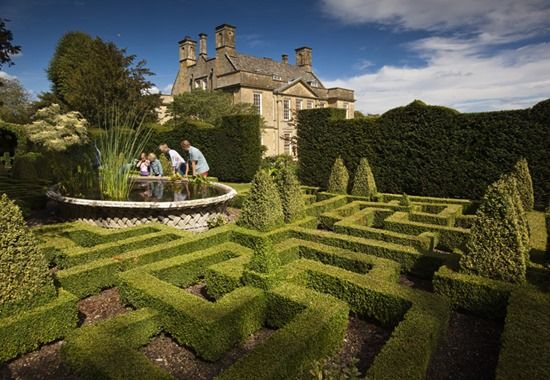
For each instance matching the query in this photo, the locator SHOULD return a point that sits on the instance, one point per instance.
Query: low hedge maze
(346, 256)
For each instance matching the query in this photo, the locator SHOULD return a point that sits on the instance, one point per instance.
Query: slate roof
(267, 66)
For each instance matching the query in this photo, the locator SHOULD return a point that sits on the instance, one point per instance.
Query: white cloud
(167, 89)
(459, 78)
(493, 17)
(5, 75)
(468, 67)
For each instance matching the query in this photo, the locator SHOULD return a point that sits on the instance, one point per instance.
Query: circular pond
(181, 204)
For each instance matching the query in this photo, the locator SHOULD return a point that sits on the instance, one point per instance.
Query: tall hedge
(496, 249)
(429, 150)
(25, 280)
(233, 150)
(262, 210)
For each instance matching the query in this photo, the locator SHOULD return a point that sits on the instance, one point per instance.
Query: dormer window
(313, 83)
(277, 77)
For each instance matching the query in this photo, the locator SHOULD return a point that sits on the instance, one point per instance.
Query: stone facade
(277, 89)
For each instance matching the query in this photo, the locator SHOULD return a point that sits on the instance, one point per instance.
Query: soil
(364, 339)
(199, 290)
(470, 352)
(233, 214)
(100, 307)
(42, 217)
(416, 283)
(183, 364)
(42, 364)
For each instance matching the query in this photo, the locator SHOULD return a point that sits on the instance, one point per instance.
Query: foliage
(405, 201)
(199, 180)
(55, 131)
(264, 258)
(339, 178)
(207, 106)
(429, 150)
(232, 149)
(496, 248)
(262, 209)
(364, 184)
(15, 102)
(218, 221)
(328, 369)
(7, 48)
(275, 163)
(525, 184)
(25, 280)
(120, 145)
(92, 76)
(166, 164)
(291, 195)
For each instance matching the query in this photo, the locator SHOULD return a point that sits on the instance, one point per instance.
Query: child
(155, 168)
(143, 165)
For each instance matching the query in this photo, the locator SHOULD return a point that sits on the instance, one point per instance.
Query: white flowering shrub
(55, 131)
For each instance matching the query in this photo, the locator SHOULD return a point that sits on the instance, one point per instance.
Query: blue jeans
(181, 169)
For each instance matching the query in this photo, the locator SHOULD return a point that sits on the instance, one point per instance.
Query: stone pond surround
(192, 215)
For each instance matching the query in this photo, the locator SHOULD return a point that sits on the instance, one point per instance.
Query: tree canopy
(208, 106)
(93, 76)
(7, 48)
(15, 102)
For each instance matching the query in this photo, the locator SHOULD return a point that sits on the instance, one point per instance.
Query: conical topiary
(511, 185)
(25, 280)
(339, 178)
(524, 184)
(264, 259)
(495, 247)
(291, 194)
(262, 209)
(364, 184)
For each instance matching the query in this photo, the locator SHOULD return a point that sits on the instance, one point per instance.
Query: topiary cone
(364, 184)
(339, 178)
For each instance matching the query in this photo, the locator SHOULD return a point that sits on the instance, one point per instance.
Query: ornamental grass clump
(364, 184)
(120, 144)
(25, 280)
(339, 178)
(291, 195)
(524, 184)
(262, 210)
(495, 248)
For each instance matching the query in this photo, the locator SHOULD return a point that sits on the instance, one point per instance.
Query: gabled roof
(285, 87)
(266, 66)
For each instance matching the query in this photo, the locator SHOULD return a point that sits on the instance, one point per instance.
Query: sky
(471, 55)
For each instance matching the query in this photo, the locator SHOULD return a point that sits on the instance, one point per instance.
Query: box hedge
(420, 149)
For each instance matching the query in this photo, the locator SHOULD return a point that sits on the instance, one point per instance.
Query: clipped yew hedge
(233, 149)
(428, 150)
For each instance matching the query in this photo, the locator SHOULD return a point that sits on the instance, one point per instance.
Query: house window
(277, 77)
(286, 109)
(288, 143)
(203, 84)
(258, 102)
(197, 84)
(322, 105)
(298, 104)
(313, 83)
(346, 107)
(309, 104)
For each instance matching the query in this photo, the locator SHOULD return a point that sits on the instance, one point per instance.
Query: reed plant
(124, 138)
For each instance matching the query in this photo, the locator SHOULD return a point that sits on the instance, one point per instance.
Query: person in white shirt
(178, 163)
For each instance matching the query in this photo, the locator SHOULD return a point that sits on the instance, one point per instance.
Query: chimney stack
(202, 45)
(303, 58)
(284, 58)
(225, 38)
(187, 51)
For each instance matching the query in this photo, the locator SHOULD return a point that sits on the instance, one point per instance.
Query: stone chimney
(303, 58)
(284, 58)
(225, 39)
(202, 45)
(187, 52)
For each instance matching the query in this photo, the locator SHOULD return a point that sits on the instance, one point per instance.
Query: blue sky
(473, 55)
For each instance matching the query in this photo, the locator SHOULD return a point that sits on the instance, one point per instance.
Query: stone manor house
(276, 88)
